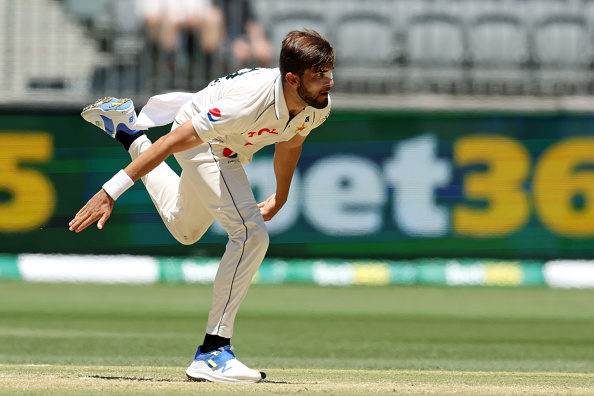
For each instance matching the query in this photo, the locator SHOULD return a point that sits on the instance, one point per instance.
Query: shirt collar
(280, 104)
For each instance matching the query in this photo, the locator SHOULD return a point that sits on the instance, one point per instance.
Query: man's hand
(97, 209)
(270, 207)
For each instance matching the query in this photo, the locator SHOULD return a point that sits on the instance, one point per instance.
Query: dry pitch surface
(67, 380)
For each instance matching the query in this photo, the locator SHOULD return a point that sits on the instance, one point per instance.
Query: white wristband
(118, 184)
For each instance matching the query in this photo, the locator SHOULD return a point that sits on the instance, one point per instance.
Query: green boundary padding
(347, 273)
(170, 270)
(533, 274)
(9, 268)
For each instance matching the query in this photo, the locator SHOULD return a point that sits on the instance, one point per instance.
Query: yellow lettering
(500, 186)
(32, 196)
(557, 181)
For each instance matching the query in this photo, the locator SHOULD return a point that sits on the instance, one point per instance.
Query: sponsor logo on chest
(262, 135)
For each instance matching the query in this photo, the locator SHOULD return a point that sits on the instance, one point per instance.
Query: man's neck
(295, 104)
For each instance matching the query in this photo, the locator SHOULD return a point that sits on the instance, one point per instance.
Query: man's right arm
(181, 138)
(99, 207)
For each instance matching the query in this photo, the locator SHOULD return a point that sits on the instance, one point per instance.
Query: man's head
(306, 59)
(302, 50)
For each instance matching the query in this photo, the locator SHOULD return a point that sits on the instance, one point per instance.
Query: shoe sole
(196, 379)
(95, 108)
(100, 102)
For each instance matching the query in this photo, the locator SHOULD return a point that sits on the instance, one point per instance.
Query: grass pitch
(73, 339)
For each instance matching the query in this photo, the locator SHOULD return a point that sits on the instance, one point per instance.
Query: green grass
(492, 338)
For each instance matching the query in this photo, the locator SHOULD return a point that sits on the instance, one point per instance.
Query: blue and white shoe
(221, 365)
(112, 115)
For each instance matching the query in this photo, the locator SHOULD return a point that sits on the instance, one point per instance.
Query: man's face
(314, 87)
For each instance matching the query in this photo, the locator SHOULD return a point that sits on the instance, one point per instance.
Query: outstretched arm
(181, 138)
(286, 156)
(99, 207)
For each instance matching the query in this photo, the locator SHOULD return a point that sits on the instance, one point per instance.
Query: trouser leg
(178, 204)
(224, 189)
(211, 187)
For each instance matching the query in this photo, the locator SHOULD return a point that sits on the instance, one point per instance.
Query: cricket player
(214, 132)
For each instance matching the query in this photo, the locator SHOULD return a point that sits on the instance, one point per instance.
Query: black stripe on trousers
(246, 236)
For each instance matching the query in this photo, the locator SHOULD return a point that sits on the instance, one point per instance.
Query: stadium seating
(563, 49)
(46, 52)
(283, 23)
(383, 46)
(499, 54)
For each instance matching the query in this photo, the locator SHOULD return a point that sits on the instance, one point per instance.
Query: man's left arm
(286, 156)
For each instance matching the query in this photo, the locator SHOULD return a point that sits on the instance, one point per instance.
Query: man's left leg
(225, 191)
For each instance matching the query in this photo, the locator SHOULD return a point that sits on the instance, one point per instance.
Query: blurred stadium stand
(76, 50)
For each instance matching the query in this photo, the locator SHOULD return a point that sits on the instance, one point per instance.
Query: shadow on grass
(136, 379)
(145, 379)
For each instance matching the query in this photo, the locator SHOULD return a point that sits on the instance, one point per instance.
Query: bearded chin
(310, 99)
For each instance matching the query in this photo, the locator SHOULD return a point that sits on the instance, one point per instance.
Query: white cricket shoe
(221, 365)
(112, 115)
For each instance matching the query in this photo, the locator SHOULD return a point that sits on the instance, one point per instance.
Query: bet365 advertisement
(369, 185)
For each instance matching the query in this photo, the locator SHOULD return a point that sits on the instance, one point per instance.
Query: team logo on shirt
(214, 114)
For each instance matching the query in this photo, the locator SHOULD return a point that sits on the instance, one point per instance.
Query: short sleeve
(225, 117)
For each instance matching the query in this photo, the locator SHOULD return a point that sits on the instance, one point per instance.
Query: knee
(258, 234)
(188, 238)
(252, 233)
(185, 239)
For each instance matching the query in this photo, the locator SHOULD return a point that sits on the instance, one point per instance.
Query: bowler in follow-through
(214, 132)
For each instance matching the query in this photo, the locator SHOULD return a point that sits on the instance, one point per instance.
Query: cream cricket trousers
(211, 187)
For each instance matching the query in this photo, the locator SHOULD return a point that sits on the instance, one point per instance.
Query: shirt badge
(301, 128)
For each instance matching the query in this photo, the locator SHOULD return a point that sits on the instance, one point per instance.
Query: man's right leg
(187, 218)
(184, 215)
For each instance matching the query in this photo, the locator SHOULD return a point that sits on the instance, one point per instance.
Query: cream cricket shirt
(246, 111)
